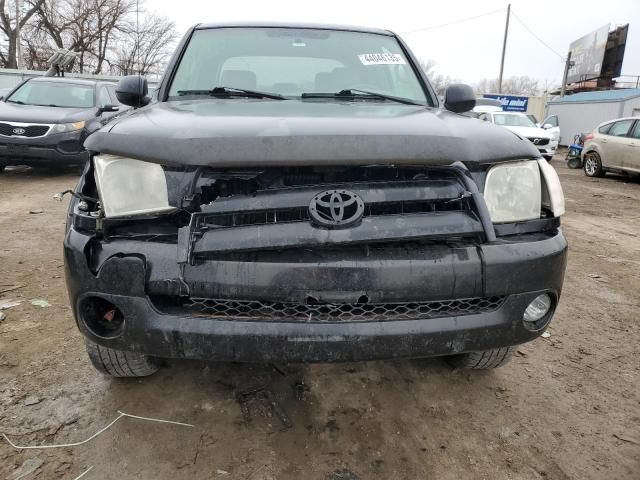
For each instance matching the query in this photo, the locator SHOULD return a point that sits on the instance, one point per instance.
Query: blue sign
(511, 103)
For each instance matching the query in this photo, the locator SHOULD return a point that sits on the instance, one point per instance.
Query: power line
(432, 27)
(562, 57)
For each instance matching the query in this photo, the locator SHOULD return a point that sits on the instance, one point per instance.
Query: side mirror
(459, 98)
(547, 126)
(132, 90)
(108, 108)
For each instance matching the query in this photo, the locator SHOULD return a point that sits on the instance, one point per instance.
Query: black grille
(301, 214)
(254, 310)
(9, 130)
(538, 142)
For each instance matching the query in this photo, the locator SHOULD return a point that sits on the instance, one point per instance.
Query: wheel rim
(590, 165)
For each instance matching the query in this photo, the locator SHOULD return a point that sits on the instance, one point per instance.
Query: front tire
(593, 165)
(493, 358)
(118, 363)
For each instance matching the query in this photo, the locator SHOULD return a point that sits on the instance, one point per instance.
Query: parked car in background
(552, 125)
(298, 193)
(523, 126)
(45, 121)
(613, 147)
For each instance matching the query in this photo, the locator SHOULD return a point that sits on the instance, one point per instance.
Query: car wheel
(2, 167)
(494, 358)
(118, 363)
(593, 165)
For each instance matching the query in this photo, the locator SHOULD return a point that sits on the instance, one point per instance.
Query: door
(614, 144)
(554, 129)
(631, 159)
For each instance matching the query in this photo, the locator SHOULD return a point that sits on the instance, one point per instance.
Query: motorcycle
(574, 155)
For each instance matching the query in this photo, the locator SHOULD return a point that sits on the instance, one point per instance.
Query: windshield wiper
(19, 102)
(232, 92)
(357, 93)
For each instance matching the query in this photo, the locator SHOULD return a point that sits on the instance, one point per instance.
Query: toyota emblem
(19, 131)
(336, 208)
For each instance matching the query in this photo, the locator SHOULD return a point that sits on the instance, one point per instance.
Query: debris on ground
(262, 396)
(75, 444)
(36, 211)
(39, 302)
(9, 304)
(627, 439)
(2, 316)
(84, 473)
(221, 472)
(11, 288)
(31, 400)
(27, 468)
(545, 335)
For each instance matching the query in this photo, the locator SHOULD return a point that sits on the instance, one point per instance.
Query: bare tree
(438, 81)
(9, 26)
(145, 50)
(516, 85)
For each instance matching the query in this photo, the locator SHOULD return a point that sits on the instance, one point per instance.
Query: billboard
(587, 54)
(511, 103)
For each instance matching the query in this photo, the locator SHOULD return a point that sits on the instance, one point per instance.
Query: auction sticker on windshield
(382, 59)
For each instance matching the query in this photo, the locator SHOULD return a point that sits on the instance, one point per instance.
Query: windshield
(512, 120)
(57, 94)
(291, 62)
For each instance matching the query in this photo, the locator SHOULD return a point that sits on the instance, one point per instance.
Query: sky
(468, 50)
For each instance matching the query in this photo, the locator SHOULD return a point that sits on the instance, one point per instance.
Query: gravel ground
(567, 407)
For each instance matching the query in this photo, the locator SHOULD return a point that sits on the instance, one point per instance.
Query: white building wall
(578, 118)
(631, 108)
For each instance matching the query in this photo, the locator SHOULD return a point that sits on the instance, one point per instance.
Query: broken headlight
(129, 187)
(513, 191)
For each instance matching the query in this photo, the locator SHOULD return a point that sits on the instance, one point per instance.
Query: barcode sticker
(381, 59)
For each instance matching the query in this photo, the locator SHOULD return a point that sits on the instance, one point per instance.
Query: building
(582, 112)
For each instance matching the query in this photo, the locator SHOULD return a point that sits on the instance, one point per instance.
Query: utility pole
(567, 66)
(504, 48)
(18, 46)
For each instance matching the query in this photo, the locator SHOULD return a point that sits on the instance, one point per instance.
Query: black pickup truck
(296, 192)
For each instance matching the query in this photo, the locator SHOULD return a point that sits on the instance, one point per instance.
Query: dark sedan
(44, 121)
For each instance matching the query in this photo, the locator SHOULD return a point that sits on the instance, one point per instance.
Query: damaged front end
(308, 263)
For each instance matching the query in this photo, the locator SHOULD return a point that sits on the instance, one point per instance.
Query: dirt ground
(567, 407)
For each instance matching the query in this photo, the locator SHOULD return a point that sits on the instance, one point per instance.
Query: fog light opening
(538, 309)
(101, 317)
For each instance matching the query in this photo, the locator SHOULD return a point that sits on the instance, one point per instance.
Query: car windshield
(512, 120)
(56, 94)
(291, 61)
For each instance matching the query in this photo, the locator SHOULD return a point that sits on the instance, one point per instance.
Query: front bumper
(126, 271)
(49, 150)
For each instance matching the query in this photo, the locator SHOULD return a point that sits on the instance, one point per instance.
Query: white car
(523, 126)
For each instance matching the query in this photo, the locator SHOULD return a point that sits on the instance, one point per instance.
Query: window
(621, 128)
(103, 97)
(636, 130)
(512, 120)
(604, 129)
(112, 93)
(292, 61)
(55, 94)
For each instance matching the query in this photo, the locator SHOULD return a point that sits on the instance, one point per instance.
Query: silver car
(613, 147)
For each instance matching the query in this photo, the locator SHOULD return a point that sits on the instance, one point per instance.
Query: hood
(234, 133)
(14, 112)
(531, 132)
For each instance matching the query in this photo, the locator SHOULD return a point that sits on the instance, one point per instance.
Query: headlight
(68, 127)
(552, 194)
(513, 192)
(129, 187)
